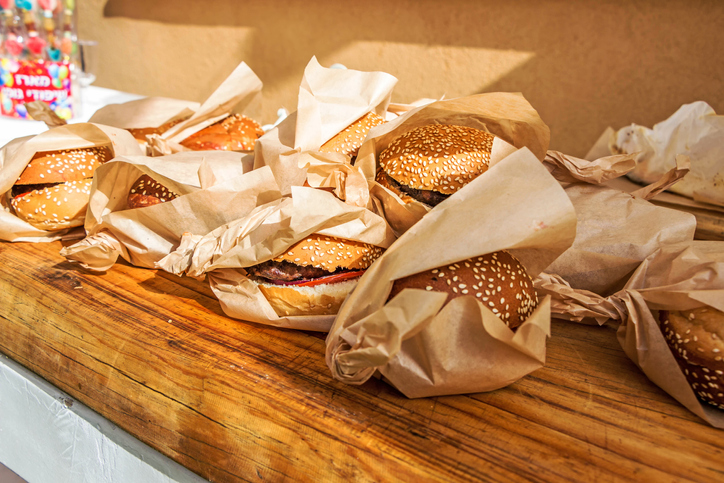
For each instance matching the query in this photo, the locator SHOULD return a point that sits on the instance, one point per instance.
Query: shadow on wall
(583, 65)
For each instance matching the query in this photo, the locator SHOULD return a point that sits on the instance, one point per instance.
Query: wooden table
(235, 401)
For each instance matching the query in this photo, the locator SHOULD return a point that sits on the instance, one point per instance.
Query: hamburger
(52, 192)
(351, 138)
(313, 276)
(696, 339)
(146, 191)
(430, 163)
(234, 133)
(497, 280)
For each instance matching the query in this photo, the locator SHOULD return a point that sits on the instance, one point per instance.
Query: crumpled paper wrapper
(425, 348)
(264, 234)
(695, 131)
(507, 116)
(329, 101)
(681, 276)
(616, 230)
(213, 187)
(240, 93)
(16, 155)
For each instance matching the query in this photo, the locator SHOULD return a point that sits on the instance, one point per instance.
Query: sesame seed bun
(351, 138)
(55, 207)
(52, 192)
(437, 158)
(64, 165)
(313, 260)
(497, 280)
(234, 133)
(330, 253)
(146, 191)
(696, 339)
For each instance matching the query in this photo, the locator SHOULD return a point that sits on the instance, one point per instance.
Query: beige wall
(584, 65)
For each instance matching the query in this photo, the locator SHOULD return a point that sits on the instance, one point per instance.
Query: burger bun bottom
(324, 299)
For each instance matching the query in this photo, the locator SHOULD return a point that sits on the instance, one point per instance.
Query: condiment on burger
(234, 133)
(52, 192)
(313, 276)
(497, 280)
(351, 138)
(430, 163)
(146, 191)
(696, 339)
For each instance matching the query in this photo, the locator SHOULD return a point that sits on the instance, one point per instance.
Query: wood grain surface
(235, 401)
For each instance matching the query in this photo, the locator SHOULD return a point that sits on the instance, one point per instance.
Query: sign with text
(24, 81)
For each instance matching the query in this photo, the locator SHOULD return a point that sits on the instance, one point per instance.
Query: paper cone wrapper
(213, 187)
(329, 101)
(239, 93)
(16, 155)
(509, 117)
(265, 233)
(426, 348)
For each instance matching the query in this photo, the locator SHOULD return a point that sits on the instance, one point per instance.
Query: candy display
(38, 50)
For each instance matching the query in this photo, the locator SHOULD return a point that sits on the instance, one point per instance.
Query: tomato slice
(337, 277)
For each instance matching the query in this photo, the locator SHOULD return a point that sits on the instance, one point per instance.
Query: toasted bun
(696, 338)
(146, 191)
(324, 299)
(497, 280)
(330, 253)
(141, 133)
(349, 141)
(54, 207)
(438, 158)
(65, 165)
(235, 133)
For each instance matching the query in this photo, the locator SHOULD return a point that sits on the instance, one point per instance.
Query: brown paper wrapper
(681, 276)
(264, 234)
(616, 230)
(569, 169)
(214, 188)
(425, 349)
(332, 99)
(329, 101)
(149, 112)
(239, 93)
(508, 116)
(16, 155)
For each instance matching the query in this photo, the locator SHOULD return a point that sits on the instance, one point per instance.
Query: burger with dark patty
(313, 276)
(52, 192)
(430, 163)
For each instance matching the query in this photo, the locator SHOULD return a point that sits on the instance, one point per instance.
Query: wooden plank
(236, 401)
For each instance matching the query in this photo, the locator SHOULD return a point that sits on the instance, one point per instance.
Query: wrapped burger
(448, 309)
(46, 179)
